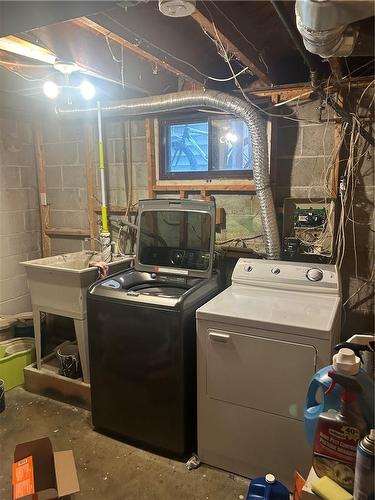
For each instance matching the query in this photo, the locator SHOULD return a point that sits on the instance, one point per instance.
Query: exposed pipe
(223, 102)
(105, 237)
(310, 61)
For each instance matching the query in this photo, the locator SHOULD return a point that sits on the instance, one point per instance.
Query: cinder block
(235, 204)
(140, 176)
(29, 241)
(76, 219)
(53, 177)
(63, 153)
(116, 177)
(66, 245)
(24, 131)
(301, 172)
(57, 218)
(28, 177)
(289, 141)
(51, 131)
(13, 288)
(11, 223)
(118, 152)
(67, 199)
(10, 177)
(10, 266)
(139, 150)
(32, 220)
(16, 199)
(138, 128)
(18, 154)
(14, 306)
(74, 176)
(113, 128)
(318, 140)
(71, 131)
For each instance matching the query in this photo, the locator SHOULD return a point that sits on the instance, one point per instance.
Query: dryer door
(259, 372)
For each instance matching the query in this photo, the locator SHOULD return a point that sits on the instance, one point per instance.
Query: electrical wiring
(370, 280)
(350, 73)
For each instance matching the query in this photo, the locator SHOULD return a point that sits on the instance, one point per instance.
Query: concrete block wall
(64, 155)
(19, 213)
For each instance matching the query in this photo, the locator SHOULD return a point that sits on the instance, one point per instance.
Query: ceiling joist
(96, 28)
(252, 62)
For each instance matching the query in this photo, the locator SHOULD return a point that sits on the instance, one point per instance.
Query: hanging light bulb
(50, 89)
(87, 90)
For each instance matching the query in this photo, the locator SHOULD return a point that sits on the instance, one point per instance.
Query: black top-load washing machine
(142, 333)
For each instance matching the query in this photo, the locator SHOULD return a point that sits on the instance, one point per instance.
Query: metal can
(364, 469)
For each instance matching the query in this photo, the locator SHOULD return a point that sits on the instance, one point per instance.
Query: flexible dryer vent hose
(212, 100)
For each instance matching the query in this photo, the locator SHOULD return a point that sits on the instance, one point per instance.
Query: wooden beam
(91, 183)
(253, 63)
(67, 231)
(94, 27)
(207, 188)
(42, 188)
(150, 156)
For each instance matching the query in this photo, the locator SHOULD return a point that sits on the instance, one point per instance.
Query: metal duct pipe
(223, 102)
(326, 25)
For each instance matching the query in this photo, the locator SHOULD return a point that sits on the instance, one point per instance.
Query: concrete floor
(107, 469)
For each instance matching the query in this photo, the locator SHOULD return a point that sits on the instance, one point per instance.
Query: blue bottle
(346, 363)
(267, 488)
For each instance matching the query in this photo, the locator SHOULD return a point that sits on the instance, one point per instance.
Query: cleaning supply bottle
(267, 488)
(338, 433)
(347, 363)
(364, 477)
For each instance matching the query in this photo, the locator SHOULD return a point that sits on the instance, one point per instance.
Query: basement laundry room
(187, 267)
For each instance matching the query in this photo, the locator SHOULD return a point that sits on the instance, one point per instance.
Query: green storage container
(15, 354)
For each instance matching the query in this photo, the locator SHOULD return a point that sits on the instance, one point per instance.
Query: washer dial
(314, 274)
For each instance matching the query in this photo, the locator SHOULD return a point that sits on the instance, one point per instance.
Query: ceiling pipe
(222, 102)
(310, 61)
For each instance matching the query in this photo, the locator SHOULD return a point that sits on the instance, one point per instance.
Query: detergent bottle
(338, 433)
(345, 362)
(267, 488)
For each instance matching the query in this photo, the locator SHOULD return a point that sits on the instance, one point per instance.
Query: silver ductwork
(326, 25)
(223, 102)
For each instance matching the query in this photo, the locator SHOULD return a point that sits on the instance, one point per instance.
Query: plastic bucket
(70, 364)
(6, 329)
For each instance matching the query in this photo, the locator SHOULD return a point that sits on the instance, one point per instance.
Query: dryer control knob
(247, 268)
(314, 274)
(275, 270)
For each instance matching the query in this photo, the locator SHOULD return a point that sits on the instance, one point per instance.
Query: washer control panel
(287, 275)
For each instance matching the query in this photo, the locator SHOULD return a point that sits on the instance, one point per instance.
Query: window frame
(199, 175)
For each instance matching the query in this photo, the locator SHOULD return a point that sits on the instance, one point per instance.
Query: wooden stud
(150, 155)
(42, 188)
(254, 64)
(91, 183)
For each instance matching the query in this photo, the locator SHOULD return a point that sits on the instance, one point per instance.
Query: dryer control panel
(301, 276)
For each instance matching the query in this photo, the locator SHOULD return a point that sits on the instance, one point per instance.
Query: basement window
(204, 148)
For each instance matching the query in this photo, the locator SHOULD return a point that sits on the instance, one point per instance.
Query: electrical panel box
(308, 228)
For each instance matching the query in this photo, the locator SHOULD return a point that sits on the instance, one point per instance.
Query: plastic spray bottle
(345, 362)
(338, 433)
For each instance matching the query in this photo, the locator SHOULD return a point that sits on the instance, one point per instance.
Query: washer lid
(176, 237)
(299, 313)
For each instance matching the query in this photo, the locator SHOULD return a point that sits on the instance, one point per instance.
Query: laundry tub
(58, 285)
(15, 354)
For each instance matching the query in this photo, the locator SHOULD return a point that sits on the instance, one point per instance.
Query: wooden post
(91, 183)
(42, 188)
(150, 156)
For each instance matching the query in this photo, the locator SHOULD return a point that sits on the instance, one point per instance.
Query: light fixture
(50, 89)
(87, 90)
(177, 8)
(66, 67)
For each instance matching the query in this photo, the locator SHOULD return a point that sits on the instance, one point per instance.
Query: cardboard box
(302, 488)
(39, 473)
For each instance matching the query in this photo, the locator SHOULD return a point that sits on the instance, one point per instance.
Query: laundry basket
(15, 354)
